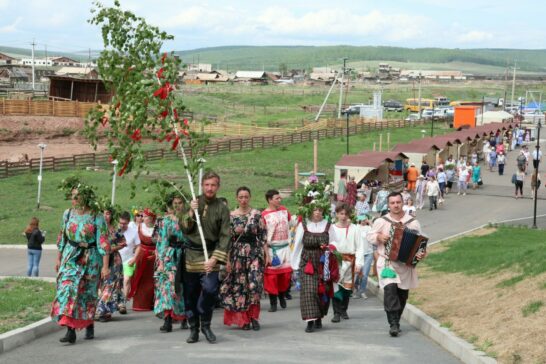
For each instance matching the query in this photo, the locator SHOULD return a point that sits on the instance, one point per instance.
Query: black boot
(282, 300)
(194, 330)
(184, 324)
(205, 328)
(310, 326)
(318, 324)
(337, 310)
(90, 332)
(70, 336)
(394, 328)
(255, 325)
(344, 307)
(273, 303)
(167, 325)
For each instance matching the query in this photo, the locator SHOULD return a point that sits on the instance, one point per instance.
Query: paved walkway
(135, 338)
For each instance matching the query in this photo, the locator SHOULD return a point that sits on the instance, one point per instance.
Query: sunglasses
(139, 215)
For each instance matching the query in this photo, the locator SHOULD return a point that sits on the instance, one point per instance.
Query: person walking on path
(83, 259)
(168, 286)
(476, 176)
(433, 191)
(243, 286)
(535, 182)
(420, 192)
(537, 156)
(341, 192)
(424, 168)
(128, 252)
(361, 282)
(278, 270)
(35, 239)
(314, 258)
(519, 177)
(463, 180)
(111, 289)
(413, 173)
(201, 276)
(346, 238)
(441, 177)
(395, 278)
(501, 161)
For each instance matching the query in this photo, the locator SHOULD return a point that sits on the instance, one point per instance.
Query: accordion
(406, 243)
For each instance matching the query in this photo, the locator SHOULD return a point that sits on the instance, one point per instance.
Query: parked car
(412, 117)
(352, 110)
(393, 105)
(427, 114)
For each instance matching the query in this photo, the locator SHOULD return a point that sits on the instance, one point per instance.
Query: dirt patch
(490, 317)
(20, 136)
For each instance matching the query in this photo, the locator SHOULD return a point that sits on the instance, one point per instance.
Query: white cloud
(11, 28)
(474, 36)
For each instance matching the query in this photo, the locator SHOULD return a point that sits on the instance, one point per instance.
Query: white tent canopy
(494, 117)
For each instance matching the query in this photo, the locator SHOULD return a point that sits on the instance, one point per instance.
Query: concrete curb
(442, 336)
(21, 336)
(24, 246)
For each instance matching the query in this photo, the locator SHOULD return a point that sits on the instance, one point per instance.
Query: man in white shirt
(128, 253)
(463, 180)
(537, 157)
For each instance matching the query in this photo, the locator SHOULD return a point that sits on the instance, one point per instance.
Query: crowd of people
(184, 261)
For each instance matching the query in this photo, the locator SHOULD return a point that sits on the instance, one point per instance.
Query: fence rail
(45, 108)
(333, 129)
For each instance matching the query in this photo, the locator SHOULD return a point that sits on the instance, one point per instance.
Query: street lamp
(42, 146)
(537, 159)
(115, 164)
(347, 132)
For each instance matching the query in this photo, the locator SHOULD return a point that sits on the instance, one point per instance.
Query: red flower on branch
(160, 73)
(136, 136)
(118, 105)
(104, 120)
(163, 91)
(163, 58)
(175, 143)
(186, 132)
(164, 114)
(175, 112)
(186, 122)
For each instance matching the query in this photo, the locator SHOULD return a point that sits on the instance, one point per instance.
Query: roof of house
(250, 74)
(322, 76)
(210, 77)
(5, 57)
(423, 145)
(74, 71)
(369, 159)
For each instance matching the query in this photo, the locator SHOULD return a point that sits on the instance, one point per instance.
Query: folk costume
(142, 283)
(319, 270)
(169, 301)
(279, 273)
(395, 278)
(243, 285)
(348, 243)
(82, 242)
(111, 288)
(202, 288)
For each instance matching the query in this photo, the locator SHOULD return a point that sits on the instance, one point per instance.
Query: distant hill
(82, 56)
(305, 57)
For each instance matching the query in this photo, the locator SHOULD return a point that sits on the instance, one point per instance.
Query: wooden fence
(213, 148)
(45, 108)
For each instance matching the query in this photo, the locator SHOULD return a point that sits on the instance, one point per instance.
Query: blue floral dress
(167, 288)
(111, 289)
(79, 273)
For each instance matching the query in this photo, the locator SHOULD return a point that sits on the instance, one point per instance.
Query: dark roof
(73, 78)
(369, 159)
(423, 145)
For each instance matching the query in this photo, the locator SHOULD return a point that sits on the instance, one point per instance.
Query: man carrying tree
(201, 275)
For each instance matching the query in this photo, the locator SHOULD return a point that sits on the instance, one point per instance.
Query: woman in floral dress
(84, 251)
(111, 288)
(169, 302)
(243, 285)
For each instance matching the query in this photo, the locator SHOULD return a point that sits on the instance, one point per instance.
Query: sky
(61, 25)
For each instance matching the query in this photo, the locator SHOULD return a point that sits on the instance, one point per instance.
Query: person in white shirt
(409, 209)
(537, 157)
(361, 280)
(463, 180)
(441, 177)
(362, 207)
(433, 190)
(128, 253)
(345, 236)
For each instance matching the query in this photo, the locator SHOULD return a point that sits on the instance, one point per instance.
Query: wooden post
(388, 141)
(380, 142)
(296, 176)
(315, 156)
(374, 146)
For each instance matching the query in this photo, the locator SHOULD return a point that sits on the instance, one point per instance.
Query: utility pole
(33, 44)
(45, 47)
(419, 93)
(537, 151)
(341, 87)
(513, 86)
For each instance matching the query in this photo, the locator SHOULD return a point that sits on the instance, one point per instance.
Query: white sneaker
(464, 194)
(458, 193)
(363, 295)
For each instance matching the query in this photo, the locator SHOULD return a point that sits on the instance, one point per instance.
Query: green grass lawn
(520, 250)
(23, 302)
(260, 170)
